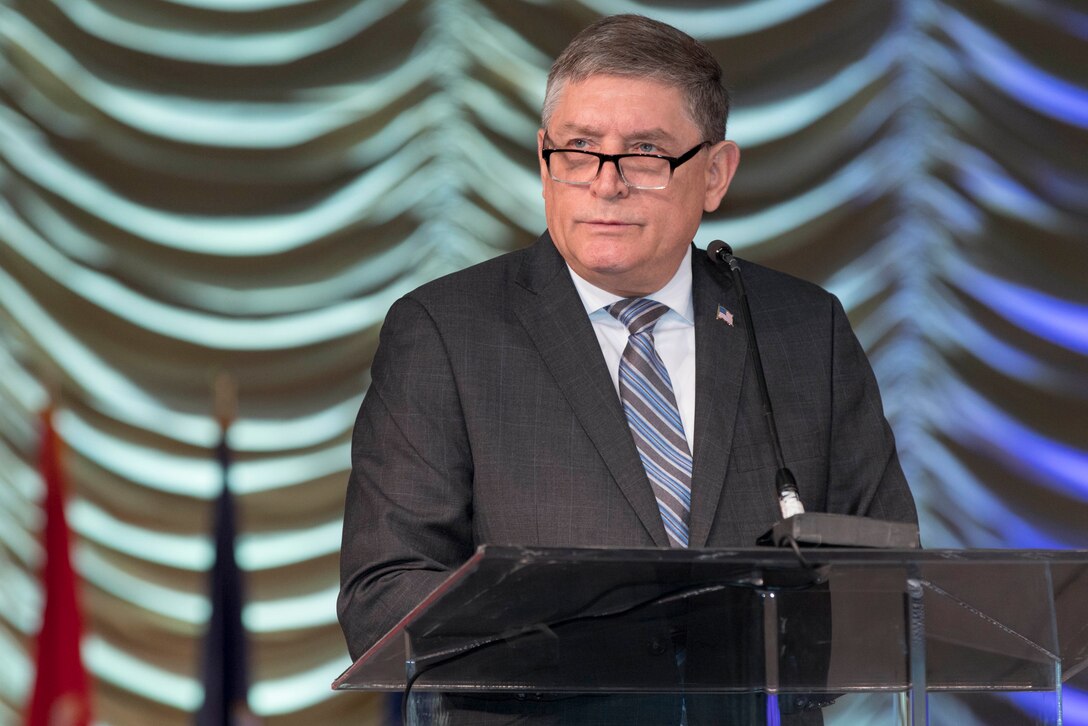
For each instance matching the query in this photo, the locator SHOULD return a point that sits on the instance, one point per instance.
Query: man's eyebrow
(654, 134)
(576, 130)
(650, 134)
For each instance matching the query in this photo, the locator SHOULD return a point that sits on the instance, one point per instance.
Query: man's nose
(609, 183)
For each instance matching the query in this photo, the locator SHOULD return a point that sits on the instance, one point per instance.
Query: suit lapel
(548, 306)
(720, 357)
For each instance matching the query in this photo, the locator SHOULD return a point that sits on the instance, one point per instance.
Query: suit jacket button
(656, 646)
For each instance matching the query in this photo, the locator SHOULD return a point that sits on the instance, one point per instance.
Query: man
(512, 404)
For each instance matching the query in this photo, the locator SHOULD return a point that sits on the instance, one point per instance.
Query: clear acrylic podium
(741, 636)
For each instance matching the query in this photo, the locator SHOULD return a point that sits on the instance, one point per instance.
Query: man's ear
(540, 159)
(724, 160)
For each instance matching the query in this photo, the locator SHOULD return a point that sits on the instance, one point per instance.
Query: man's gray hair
(639, 47)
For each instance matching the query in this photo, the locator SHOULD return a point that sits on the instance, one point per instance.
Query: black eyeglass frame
(674, 161)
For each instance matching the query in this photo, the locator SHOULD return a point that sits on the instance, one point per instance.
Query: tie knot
(639, 314)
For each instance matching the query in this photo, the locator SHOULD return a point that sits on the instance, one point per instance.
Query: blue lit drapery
(193, 186)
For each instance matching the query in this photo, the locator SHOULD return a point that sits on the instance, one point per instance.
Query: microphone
(796, 525)
(789, 499)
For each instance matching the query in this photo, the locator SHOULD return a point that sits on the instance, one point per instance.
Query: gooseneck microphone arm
(789, 499)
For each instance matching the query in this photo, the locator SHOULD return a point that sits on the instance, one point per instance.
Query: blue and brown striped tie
(650, 405)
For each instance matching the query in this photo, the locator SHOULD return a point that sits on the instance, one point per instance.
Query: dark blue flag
(224, 665)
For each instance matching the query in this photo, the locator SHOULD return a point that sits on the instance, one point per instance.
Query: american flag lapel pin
(725, 315)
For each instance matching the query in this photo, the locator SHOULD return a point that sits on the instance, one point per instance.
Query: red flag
(61, 694)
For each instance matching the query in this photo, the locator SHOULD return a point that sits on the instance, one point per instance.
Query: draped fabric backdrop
(196, 186)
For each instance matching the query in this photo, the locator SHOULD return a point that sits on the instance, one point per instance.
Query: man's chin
(611, 267)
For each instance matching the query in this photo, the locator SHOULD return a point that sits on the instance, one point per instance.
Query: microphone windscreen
(719, 251)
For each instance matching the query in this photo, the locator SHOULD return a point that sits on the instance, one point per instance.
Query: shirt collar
(676, 293)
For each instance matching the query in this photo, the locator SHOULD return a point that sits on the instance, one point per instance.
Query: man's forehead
(635, 107)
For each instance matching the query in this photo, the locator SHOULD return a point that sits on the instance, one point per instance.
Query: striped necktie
(650, 405)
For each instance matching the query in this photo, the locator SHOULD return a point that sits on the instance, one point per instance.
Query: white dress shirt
(674, 335)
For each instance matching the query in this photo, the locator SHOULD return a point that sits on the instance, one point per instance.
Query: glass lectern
(740, 636)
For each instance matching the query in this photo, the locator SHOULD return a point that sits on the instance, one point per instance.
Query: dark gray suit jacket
(491, 418)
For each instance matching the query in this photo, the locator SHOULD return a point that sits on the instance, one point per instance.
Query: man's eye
(577, 144)
(647, 148)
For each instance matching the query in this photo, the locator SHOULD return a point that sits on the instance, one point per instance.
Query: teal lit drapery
(189, 186)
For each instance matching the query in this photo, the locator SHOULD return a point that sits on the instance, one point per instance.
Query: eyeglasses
(638, 171)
